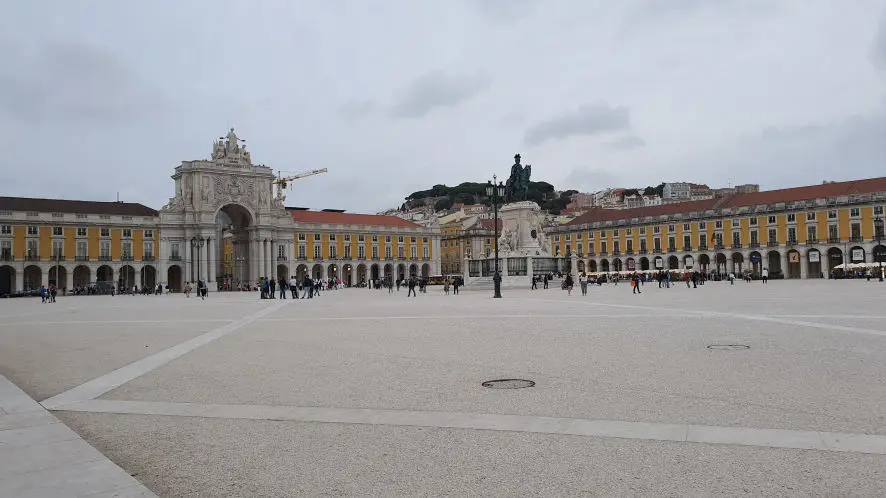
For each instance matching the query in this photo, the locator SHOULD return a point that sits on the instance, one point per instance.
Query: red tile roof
(76, 207)
(836, 189)
(332, 218)
(490, 224)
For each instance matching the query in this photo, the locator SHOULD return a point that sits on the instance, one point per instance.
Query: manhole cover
(508, 384)
(729, 347)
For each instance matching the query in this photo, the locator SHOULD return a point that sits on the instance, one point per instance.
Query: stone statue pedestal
(521, 233)
(523, 249)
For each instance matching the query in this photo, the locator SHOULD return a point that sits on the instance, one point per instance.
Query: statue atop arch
(228, 149)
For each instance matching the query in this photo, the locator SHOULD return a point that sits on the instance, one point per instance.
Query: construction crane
(282, 181)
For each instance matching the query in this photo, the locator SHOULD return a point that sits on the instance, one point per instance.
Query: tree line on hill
(443, 197)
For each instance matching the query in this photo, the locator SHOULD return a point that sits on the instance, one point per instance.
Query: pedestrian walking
(411, 287)
(446, 287)
(765, 275)
(635, 284)
(569, 283)
(583, 283)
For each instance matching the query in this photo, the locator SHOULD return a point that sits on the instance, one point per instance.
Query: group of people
(307, 288)
(47, 294)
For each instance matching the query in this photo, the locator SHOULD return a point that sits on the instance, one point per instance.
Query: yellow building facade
(225, 225)
(803, 232)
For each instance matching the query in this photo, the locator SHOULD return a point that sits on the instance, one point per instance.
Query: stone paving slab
(41, 457)
(362, 392)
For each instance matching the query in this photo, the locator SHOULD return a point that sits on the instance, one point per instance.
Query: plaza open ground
(775, 389)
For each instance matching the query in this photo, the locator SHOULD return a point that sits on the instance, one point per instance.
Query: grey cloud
(72, 82)
(586, 120)
(434, 90)
(505, 11)
(878, 53)
(590, 180)
(627, 142)
(798, 155)
(358, 108)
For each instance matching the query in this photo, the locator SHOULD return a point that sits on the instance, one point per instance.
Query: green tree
(443, 204)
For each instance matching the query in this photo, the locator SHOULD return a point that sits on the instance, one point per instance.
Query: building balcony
(811, 242)
(284, 258)
(32, 257)
(592, 254)
(687, 248)
(104, 257)
(656, 250)
(856, 238)
(736, 245)
(643, 251)
(792, 242)
(81, 257)
(718, 247)
(754, 245)
(148, 257)
(833, 240)
(772, 243)
(604, 253)
(672, 249)
(616, 253)
(126, 258)
(702, 247)
(175, 257)
(57, 257)
(6, 257)
(629, 252)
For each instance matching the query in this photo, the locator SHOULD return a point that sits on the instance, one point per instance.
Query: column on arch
(210, 261)
(261, 258)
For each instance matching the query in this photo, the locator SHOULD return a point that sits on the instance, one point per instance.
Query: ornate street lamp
(497, 192)
(196, 246)
(878, 234)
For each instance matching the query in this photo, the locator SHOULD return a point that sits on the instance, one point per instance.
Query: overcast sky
(394, 96)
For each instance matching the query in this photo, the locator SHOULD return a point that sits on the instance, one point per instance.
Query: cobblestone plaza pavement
(359, 392)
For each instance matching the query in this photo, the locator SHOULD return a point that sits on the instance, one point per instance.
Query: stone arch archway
(756, 260)
(644, 263)
(7, 280)
(234, 222)
(631, 264)
(332, 271)
(793, 270)
(604, 265)
(581, 266)
(301, 271)
(174, 278)
(148, 277)
(425, 270)
(673, 263)
(688, 262)
(82, 276)
(737, 263)
(347, 275)
(835, 258)
(283, 272)
(857, 254)
(616, 265)
(774, 261)
(592, 266)
(33, 277)
(127, 276)
(374, 271)
(361, 274)
(813, 262)
(720, 261)
(413, 270)
(401, 271)
(104, 275)
(60, 280)
(704, 262)
(317, 272)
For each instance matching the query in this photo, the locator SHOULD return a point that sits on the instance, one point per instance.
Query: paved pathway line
(99, 386)
(682, 433)
(41, 457)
